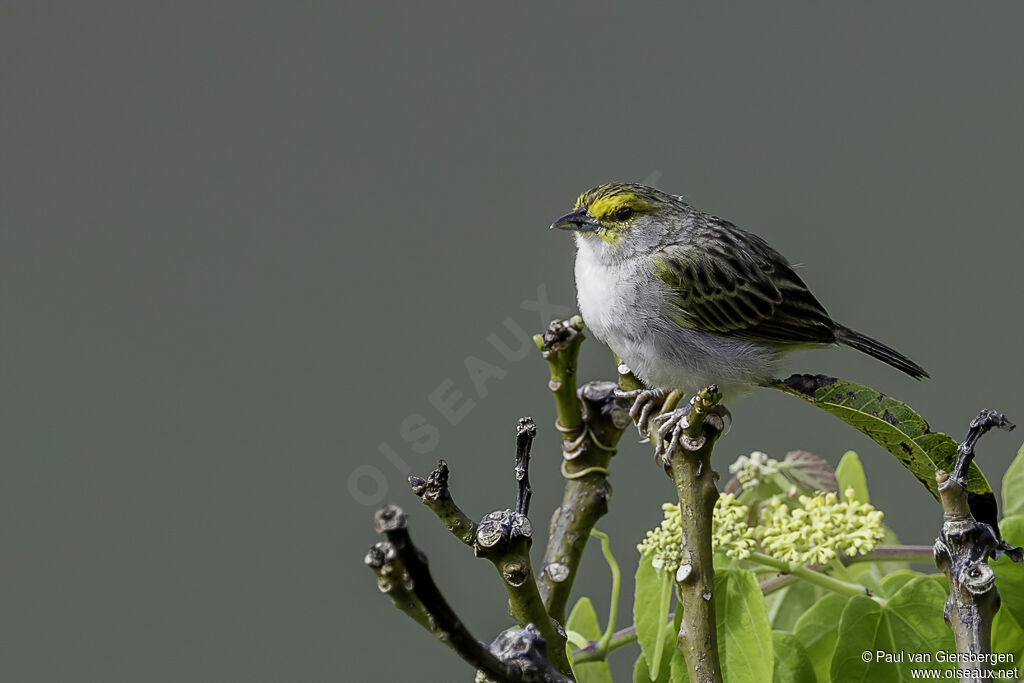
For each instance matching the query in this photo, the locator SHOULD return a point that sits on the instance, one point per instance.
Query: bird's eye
(622, 213)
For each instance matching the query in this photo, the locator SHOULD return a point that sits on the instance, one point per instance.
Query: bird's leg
(646, 402)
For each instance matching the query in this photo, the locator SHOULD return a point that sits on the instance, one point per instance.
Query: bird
(687, 300)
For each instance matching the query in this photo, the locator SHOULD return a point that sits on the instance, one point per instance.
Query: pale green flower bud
(819, 530)
(664, 542)
(730, 534)
(750, 470)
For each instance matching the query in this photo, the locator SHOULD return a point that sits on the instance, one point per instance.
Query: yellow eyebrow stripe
(602, 207)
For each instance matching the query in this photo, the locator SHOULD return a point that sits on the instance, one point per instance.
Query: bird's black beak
(577, 221)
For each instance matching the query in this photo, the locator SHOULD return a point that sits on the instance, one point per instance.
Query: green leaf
(1013, 486)
(641, 674)
(744, 632)
(679, 672)
(672, 660)
(864, 573)
(1008, 626)
(641, 671)
(583, 620)
(941, 581)
(818, 629)
(786, 605)
(909, 623)
(1008, 637)
(650, 612)
(895, 427)
(892, 583)
(850, 475)
(792, 665)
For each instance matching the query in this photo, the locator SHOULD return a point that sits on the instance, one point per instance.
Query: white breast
(598, 291)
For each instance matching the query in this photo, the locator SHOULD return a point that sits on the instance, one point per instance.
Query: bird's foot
(674, 431)
(646, 402)
(671, 432)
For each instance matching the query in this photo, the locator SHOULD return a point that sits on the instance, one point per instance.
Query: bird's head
(621, 219)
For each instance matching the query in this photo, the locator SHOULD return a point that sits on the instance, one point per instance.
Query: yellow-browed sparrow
(688, 300)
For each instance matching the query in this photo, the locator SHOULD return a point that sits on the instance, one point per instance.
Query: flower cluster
(664, 542)
(751, 469)
(821, 528)
(816, 532)
(730, 534)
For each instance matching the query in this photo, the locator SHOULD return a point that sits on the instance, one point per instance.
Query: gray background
(241, 244)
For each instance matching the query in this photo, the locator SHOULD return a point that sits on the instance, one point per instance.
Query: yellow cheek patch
(603, 207)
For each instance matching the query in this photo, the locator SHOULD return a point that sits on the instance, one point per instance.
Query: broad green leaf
(641, 674)
(641, 671)
(817, 630)
(870, 578)
(792, 665)
(788, 604)
(895, 427)
(1008, 637)
(850, 475)
(583, 620)
(891, 583)
(650, 611)
(744, 632)
(940, 580)
(1013, 487)
(1008, 626)
(679, 673)
(909, 623)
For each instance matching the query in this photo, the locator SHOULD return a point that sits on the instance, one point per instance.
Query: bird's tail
(876, 349)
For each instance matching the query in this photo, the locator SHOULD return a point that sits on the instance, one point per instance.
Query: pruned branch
(525, 650)
(402, 573)
(504, 538)
(683, 445)
(591, 421)
(434, 493)
(986, 420)
(963, 548)
(560, 346)
(585, 460)
(392, 577)
(526, 430)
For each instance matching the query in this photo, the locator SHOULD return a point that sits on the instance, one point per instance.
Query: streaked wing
(733, 283)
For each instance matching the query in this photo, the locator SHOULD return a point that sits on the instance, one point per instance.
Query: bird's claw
(646, 402)
(670, 433)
